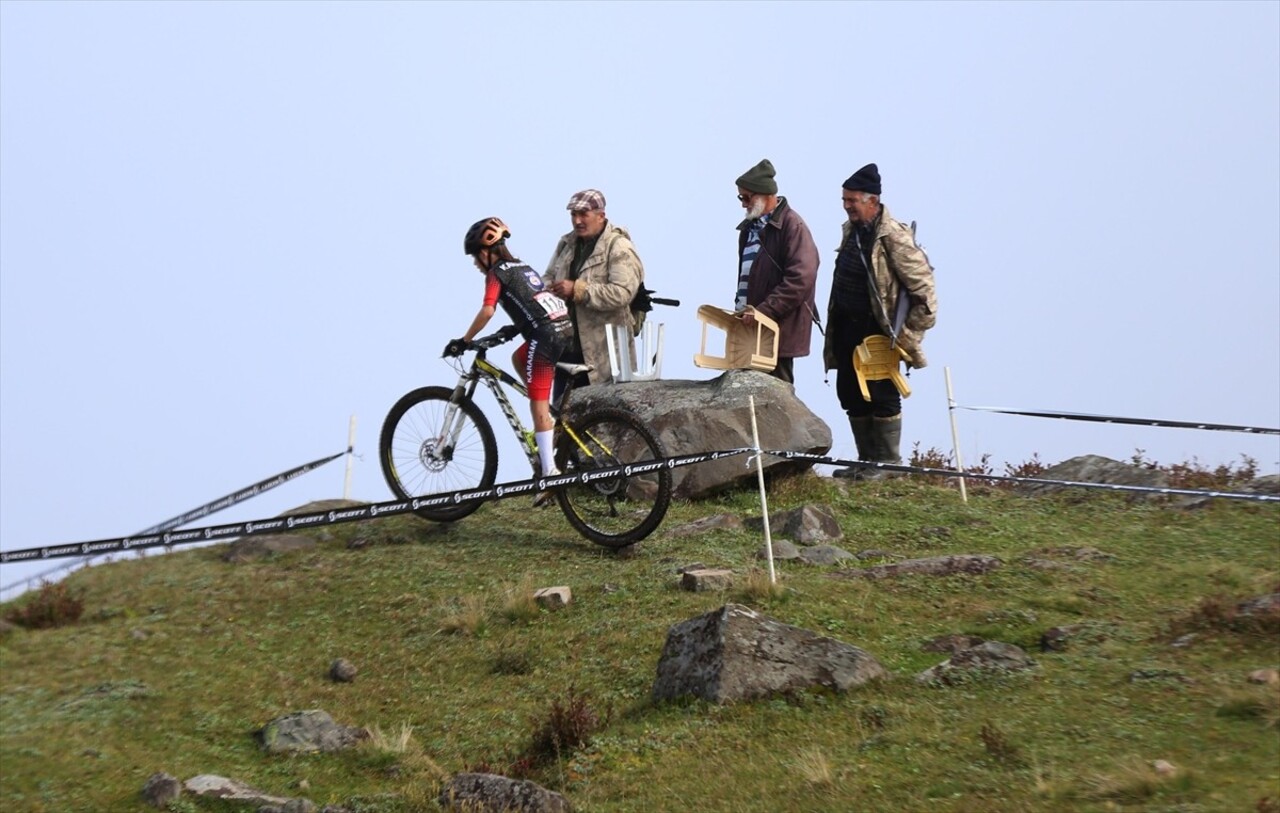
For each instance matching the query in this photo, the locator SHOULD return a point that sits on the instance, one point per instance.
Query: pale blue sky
(227, 227)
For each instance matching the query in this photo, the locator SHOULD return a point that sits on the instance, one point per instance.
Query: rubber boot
(866, 443)
(887, 435)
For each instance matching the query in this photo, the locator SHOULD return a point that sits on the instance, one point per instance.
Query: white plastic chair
(648, 366)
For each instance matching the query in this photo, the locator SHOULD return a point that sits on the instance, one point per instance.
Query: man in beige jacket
(596, 269)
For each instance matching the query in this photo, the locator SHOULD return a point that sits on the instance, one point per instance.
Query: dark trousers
(885, 401)
(785, 371)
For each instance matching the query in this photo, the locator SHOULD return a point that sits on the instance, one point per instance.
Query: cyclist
(537, 313)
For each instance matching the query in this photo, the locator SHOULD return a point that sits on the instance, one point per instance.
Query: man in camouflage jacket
(882, 285)
(596, 269)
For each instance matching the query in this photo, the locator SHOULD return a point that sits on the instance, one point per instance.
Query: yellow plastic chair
(877, 358)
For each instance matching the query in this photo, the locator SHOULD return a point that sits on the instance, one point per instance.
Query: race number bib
(554, 306)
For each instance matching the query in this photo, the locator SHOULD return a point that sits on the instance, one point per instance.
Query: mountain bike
(436, 440)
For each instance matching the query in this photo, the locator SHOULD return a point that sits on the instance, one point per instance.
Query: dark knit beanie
(866, 180)
(759, 179)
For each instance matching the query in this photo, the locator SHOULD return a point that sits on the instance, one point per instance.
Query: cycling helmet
(484, 234)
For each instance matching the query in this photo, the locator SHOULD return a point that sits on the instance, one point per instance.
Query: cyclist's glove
(508, 332)
(455, 348)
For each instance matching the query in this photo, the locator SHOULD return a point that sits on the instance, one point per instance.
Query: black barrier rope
(317, 519)
(195, 513)
(866, 464)
(1083, 416)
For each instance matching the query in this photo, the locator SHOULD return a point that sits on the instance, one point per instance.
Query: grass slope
(179, 658)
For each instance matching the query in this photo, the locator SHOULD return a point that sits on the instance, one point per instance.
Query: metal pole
(955, 436)
(764, 503)
(351, 445)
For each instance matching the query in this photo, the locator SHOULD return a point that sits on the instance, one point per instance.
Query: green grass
(456, 670)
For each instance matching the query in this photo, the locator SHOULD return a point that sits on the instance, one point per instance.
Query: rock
(823, 555)
(690, 417)
(220, 787)
(253, 548)
(1057, 638)
(986, 659)
(708, 580)
(553, 598)
(1142, 675)
(1097, 469)
(952, 643)
(1163, 767)
(308, 731)
(717, 522)
(734, 653)
(342, 671)
(1266, 484)
(490, 793)
(161, 789)
(876, 553)
(1267, 677)
(933, 566)
(1262, 605)
(806, 525)
(782, 550)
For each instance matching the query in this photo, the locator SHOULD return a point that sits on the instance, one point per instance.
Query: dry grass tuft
(756, 586)
(815, 768)
(518, 604)
(467, 617)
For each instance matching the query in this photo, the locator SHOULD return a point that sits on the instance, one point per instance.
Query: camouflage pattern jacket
(602, 293)
(898, 267)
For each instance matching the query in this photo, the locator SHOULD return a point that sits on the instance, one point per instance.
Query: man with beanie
(777, 266)
(595, 269)
(882, 286)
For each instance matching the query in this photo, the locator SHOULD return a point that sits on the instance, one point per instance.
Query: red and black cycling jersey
(538, 313)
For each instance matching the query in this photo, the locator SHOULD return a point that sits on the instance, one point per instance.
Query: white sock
(546, 454)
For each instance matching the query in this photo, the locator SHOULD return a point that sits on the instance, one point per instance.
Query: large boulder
(1092, 468)
(308, 732)
(690, 417)
(735, 653)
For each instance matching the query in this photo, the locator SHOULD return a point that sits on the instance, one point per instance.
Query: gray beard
(756, 211)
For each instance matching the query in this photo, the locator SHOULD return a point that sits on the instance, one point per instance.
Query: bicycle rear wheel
(415, 461)
(622, 509)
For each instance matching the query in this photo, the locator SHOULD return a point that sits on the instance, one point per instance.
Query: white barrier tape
(866, 464)
(1084, 416)
(216, 533)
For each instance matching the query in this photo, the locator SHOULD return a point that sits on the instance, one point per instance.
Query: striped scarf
(749, 252)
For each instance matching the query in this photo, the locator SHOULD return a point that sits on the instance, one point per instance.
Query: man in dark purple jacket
(777, 266)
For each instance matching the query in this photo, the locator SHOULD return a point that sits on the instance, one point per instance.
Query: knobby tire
(409, 433)
(621, 510)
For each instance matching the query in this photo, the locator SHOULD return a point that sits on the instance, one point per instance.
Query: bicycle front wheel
(419, 460)
(618, 510)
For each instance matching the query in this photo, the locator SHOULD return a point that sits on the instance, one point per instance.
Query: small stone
(342, 671)
(160, 789)
(139, 634)
(553, 598)
(1164, 768)
(702, 581)
(1266, 677)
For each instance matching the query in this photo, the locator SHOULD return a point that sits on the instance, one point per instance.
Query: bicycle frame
(494, 377)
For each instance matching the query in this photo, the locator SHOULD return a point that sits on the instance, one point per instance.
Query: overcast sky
(225, 228)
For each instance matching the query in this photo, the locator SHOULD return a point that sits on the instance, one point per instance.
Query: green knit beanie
(759, 179)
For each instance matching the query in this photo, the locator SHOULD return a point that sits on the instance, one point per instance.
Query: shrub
(53, 605)
(569, 725)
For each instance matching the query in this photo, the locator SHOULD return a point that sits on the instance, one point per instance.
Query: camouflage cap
(588, 200)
